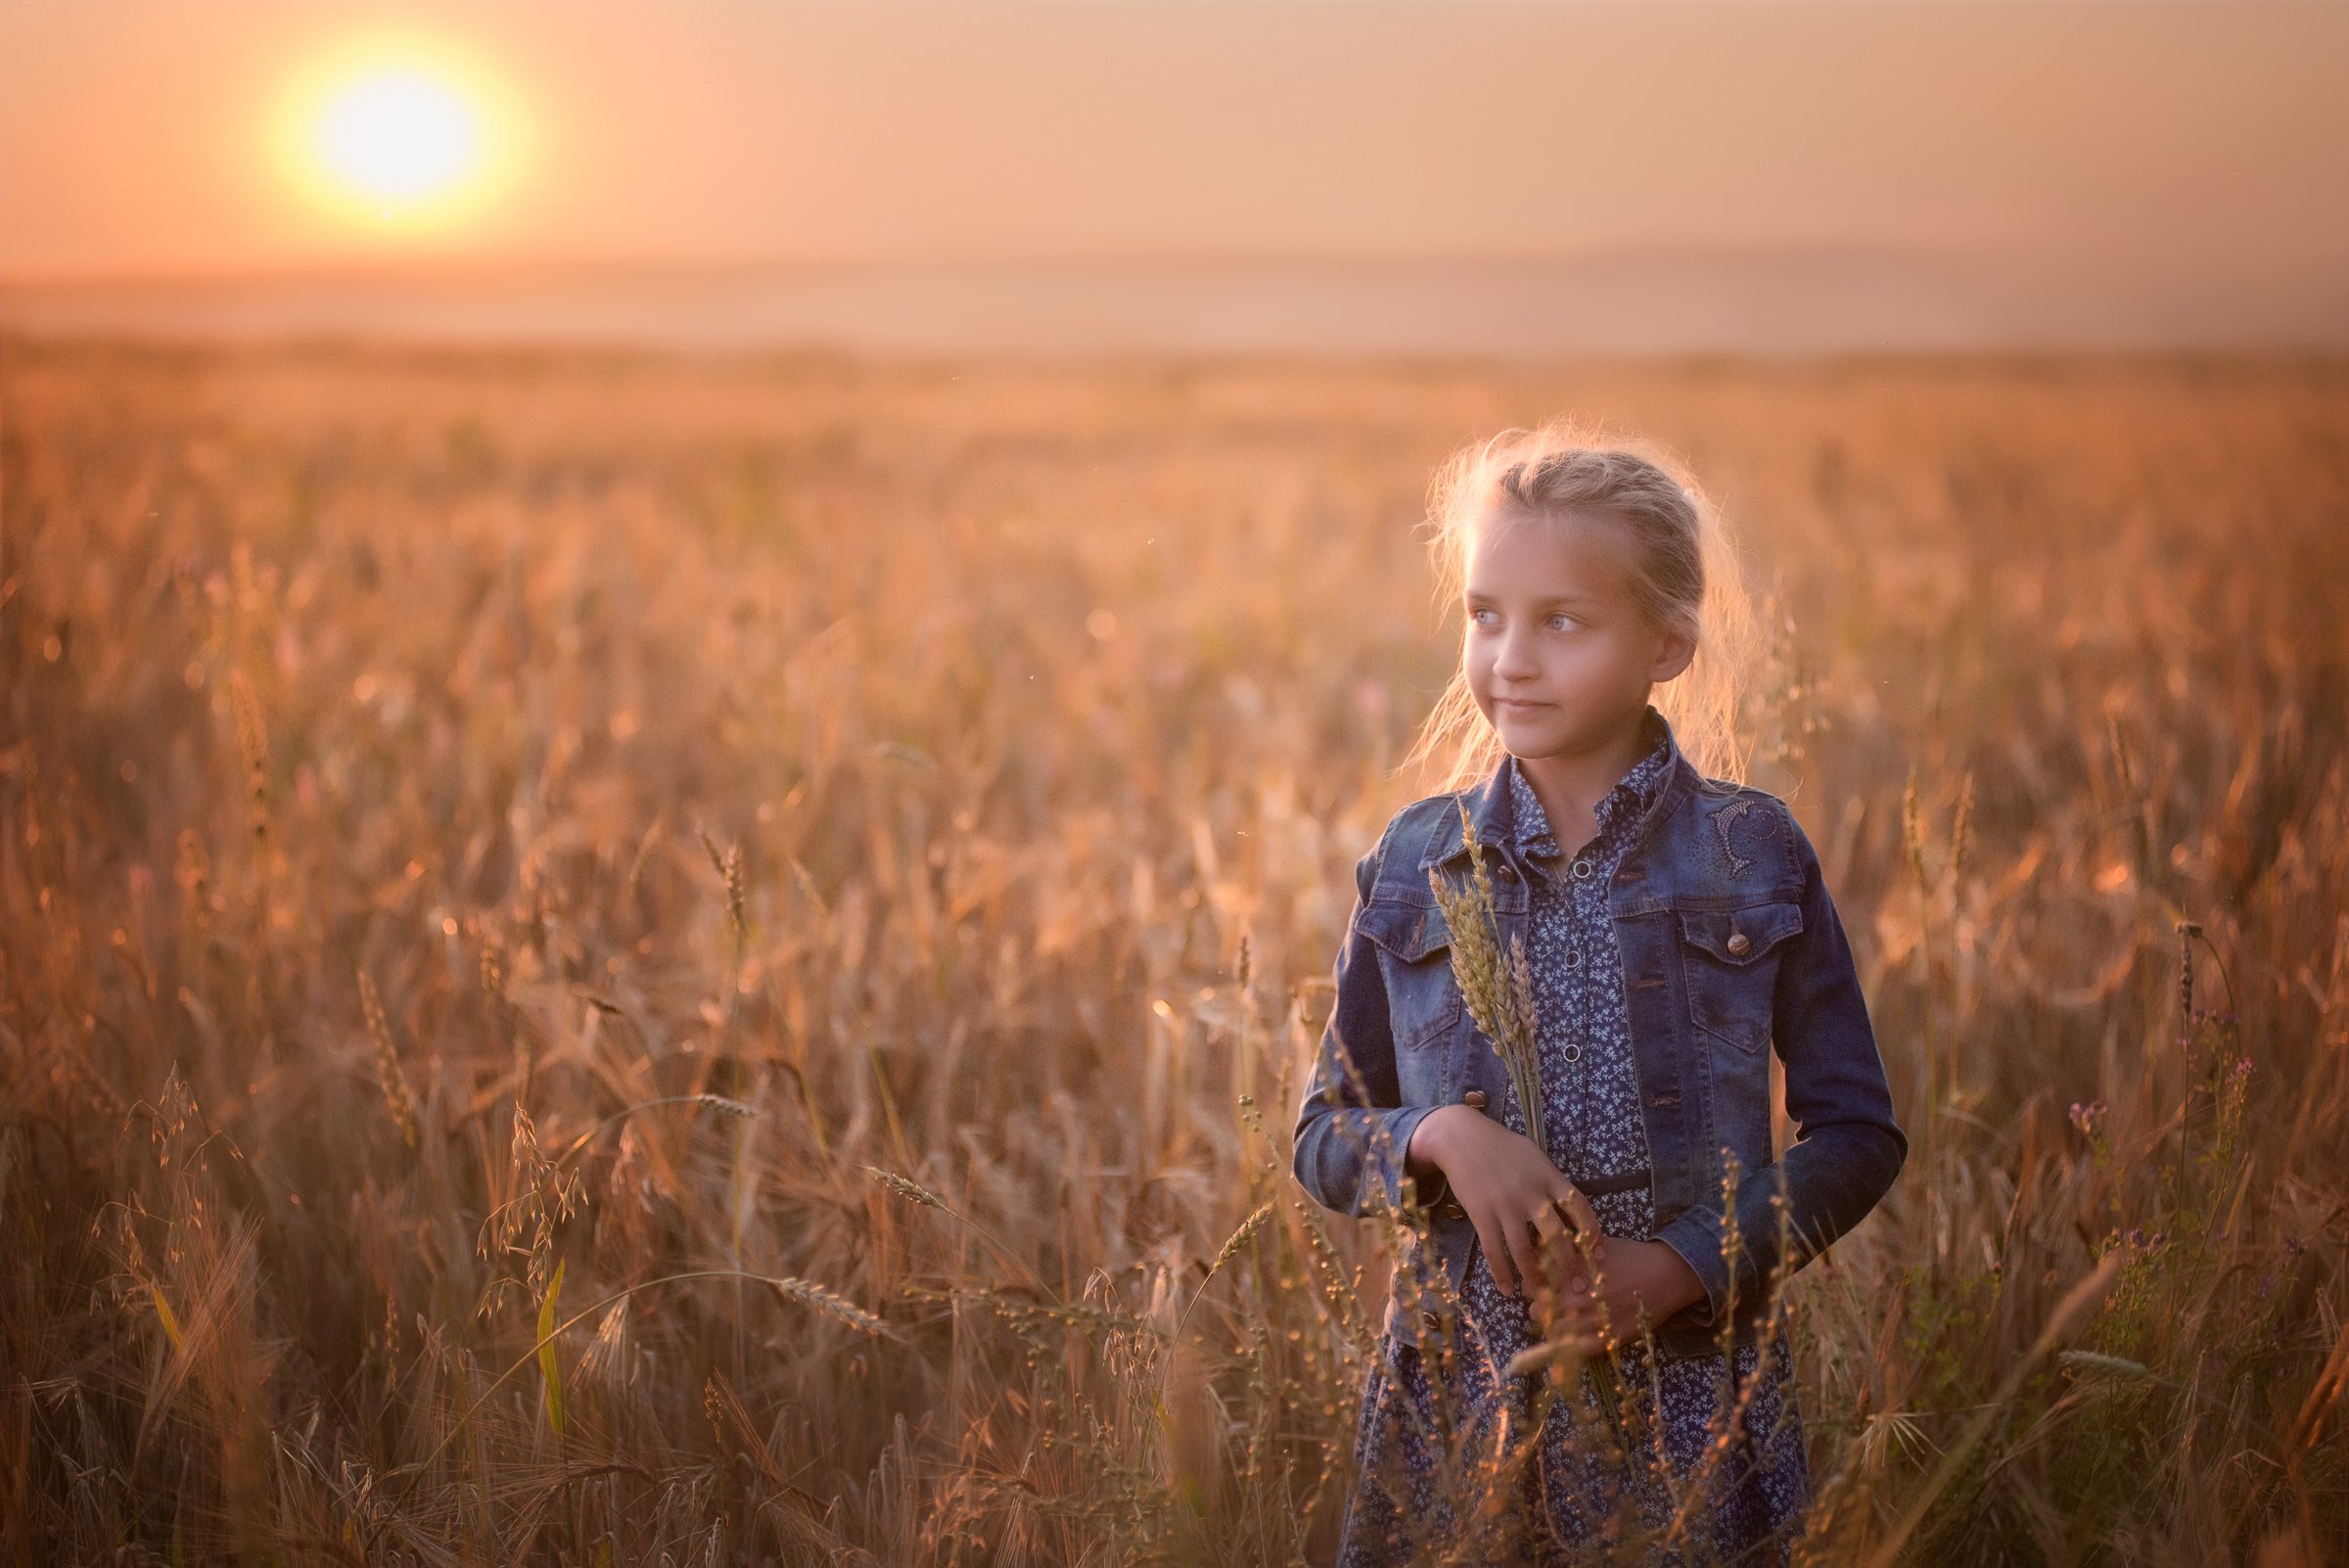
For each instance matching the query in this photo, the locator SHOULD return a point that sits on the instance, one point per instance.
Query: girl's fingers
(1524, 1253)
(1556, 1244)
(1579, 1209)
(1577, 1307)
(1497, 1259)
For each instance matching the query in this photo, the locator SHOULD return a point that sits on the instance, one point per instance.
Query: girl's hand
(1512, 1194)
(1638, 1273)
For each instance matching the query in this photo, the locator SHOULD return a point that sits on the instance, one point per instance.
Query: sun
(400, 134)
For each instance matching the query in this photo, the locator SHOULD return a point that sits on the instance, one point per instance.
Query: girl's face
(1558, 656)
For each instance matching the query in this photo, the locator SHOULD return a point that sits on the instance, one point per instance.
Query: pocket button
(1737, 944)
(1474, 1100)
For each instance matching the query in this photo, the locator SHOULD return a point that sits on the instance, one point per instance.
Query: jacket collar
(1494, 817)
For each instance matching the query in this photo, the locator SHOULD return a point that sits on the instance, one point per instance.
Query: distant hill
(1625, 301)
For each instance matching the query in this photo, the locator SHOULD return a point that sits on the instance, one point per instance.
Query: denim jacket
(1730, 946)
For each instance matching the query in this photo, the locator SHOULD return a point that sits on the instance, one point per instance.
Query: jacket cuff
(1393, 1163)
(1697, 1236)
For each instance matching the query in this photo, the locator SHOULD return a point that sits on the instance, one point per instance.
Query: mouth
(1511, 705)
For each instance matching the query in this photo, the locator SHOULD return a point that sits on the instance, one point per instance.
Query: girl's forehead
(1514, 554)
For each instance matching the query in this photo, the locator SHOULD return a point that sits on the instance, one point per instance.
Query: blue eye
(1562, 617)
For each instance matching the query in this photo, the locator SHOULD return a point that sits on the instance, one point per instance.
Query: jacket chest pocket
(1731, 958)
(1423, 1000)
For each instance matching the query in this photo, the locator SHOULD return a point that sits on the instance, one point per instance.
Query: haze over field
(1603, 175)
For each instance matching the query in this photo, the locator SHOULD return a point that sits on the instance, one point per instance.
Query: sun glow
(400, 134)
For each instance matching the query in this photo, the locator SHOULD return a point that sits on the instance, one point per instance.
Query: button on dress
(1572, 1494)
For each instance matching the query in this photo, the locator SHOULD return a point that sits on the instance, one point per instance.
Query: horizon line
(392, 268)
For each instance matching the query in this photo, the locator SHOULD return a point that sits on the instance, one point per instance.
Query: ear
(1674, 651)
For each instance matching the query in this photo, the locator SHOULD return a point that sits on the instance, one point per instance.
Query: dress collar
(1632, 794)
(1486, 803)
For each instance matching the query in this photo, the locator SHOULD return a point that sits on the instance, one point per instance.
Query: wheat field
(620, 959)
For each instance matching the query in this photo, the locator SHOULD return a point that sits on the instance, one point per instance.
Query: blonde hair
(1685, 575)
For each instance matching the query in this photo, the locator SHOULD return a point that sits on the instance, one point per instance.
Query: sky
(135, 134)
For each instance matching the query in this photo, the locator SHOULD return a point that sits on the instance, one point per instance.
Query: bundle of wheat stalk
(1500, 999)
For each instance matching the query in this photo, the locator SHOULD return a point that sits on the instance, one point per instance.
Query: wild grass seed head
(1498, 998)
(389, 1073)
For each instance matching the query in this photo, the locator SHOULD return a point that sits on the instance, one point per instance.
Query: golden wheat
(742, 777)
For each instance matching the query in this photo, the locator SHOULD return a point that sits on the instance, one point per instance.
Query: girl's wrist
(1688, 1287)
(1423, 1153)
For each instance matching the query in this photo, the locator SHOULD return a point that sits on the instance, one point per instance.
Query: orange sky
(2113, 134)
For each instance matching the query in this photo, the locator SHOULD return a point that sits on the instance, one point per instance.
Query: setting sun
(400, 133)
(399, 136)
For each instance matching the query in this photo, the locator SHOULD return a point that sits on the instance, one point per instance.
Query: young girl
(1675, 929)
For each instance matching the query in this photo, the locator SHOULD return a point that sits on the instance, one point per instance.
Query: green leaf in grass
(546, 1351)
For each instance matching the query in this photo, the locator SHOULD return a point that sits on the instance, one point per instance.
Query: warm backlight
(400, 133)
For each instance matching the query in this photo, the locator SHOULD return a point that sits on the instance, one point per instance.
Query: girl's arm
(1847, 1148)
(1351, 1133)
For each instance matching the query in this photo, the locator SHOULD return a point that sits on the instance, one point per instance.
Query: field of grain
(637, 960)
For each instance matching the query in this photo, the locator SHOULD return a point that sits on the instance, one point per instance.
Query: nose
(1512, 661)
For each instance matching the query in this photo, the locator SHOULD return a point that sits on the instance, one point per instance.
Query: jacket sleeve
(1351, 1133)
(1847, 1148)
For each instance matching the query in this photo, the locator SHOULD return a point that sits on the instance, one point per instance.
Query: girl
(1675, 929)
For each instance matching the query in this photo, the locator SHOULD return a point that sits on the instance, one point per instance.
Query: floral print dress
(1573, 1495)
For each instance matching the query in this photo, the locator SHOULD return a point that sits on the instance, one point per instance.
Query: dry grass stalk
(960, 947)
(397, 1096)
(1500, 999)
(1499, 995)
